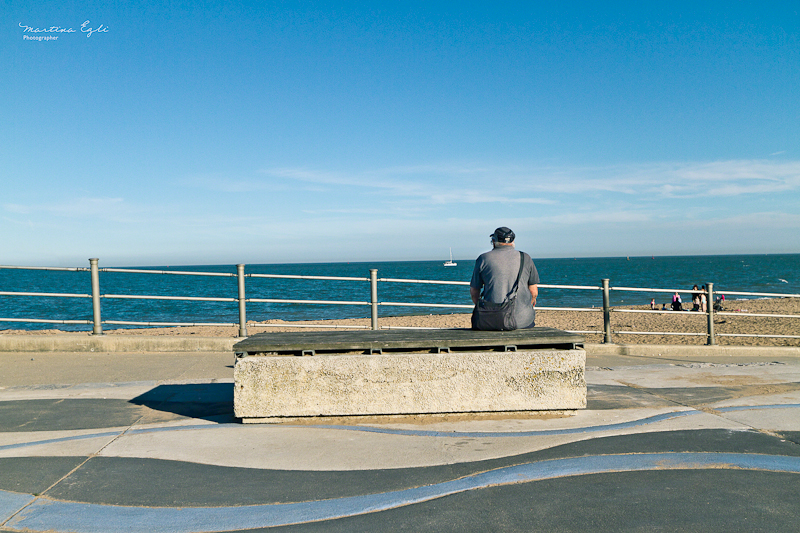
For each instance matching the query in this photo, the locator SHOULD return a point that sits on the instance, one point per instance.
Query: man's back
(495, 273)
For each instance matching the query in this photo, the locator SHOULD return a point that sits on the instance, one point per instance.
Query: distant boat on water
(450, 263)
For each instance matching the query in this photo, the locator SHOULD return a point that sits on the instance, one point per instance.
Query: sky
(222, 132)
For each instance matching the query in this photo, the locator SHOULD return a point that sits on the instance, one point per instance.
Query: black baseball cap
(503, 234)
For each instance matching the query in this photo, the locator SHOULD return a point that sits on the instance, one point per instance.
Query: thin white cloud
(669, 180)
(73, 207)
(720, 179)
(598, 217)
(482, 197)
(504, 184)
(233, 185)
(219, 183)
(16, 208)
(362, 180)
(763, 221)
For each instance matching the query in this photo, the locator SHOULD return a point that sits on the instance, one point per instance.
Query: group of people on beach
(677, 303)
(699, 301)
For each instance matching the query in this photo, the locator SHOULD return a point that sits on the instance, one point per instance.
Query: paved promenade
(689, 439)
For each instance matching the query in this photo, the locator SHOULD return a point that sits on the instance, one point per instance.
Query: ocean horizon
(762, 273)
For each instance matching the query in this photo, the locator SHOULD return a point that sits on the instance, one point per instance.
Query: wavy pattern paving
(65, 516)
(168, 459)
(420, 433)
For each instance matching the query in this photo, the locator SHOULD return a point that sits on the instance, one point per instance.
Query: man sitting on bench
(498, 271)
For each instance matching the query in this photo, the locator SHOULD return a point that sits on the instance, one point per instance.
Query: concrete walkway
(693, 439)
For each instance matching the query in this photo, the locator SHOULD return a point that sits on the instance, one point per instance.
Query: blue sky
(272, 132)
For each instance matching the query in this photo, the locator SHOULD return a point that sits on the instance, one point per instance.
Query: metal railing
(97, 321)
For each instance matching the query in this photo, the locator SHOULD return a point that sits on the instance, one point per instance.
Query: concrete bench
(394, 372)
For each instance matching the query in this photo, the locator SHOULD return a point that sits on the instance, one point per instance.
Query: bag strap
(519, 276)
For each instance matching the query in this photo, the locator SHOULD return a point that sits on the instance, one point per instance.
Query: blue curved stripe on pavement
(540, 433)
(371, 429)
(60, 439)
(49, 515)
(547, 432)
(421, 433)
(756, 407)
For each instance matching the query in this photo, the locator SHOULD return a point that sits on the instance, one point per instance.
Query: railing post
(242, 304)
(606, 313)
(710, 304)
(373, 286)
(96, 319)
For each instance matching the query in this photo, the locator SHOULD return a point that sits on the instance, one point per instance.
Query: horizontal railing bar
(770, 294)
(466, 283)
(130, 323)
(408, 304)
(660, 333)
(726, 313)
(331, 302)
(425, 327)
(45, 321)
(183, 273)
(437, 282)
(581, 287)
(340, 326)
(640, 289)
(716, 291)
(67, 269)
(569, 308)
(48, 294)
(189, 298)
(659, 311)
(288, 276)
(412, 327)
(754, 335)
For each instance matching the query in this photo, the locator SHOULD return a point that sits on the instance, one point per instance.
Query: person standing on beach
(703, 300)
(497, 270)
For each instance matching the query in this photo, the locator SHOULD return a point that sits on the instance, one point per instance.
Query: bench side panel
(404, 383)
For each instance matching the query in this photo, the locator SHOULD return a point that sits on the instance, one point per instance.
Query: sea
(770, 273)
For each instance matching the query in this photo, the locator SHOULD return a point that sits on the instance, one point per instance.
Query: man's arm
(534, 293)
(475, 294)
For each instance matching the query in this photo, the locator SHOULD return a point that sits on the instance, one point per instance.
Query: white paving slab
(375, 447)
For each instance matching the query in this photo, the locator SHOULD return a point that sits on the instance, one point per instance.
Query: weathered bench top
(379, 341)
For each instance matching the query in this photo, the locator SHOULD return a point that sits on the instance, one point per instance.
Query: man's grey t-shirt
(495, 273)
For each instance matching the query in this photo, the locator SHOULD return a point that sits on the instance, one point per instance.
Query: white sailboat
(450, 263)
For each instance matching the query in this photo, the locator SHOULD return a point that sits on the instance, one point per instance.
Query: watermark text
(51, 33)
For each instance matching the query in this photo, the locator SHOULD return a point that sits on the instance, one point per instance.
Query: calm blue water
(752, 273)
